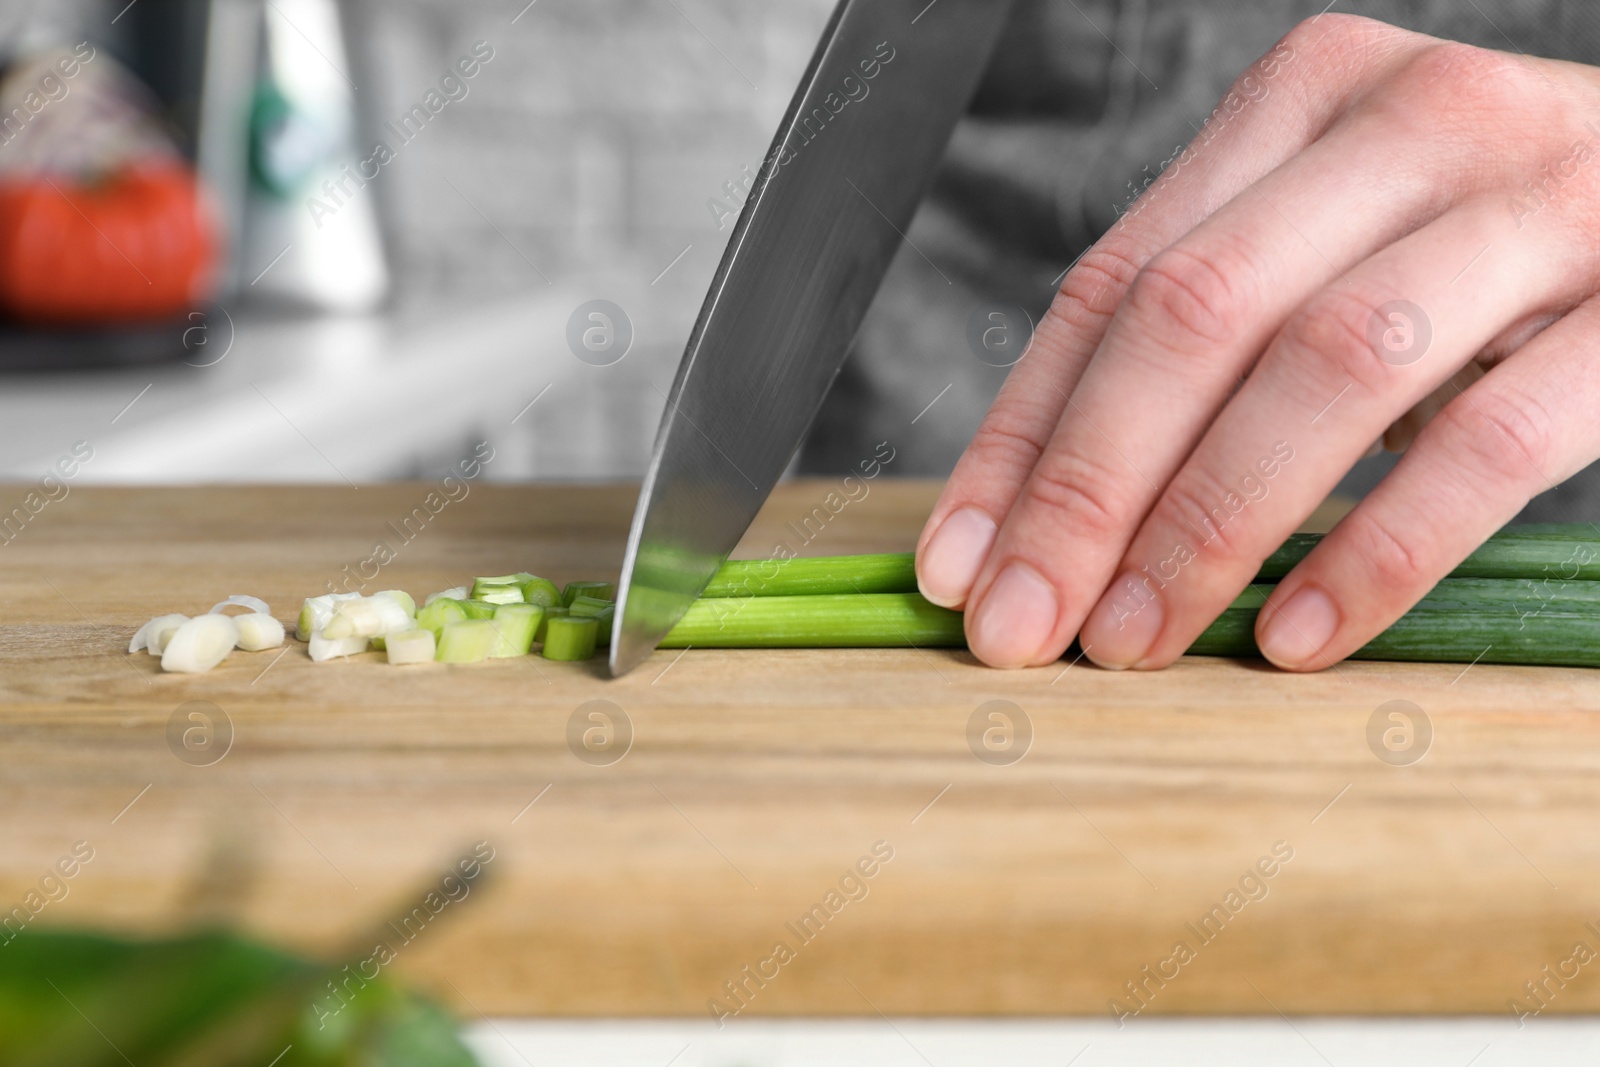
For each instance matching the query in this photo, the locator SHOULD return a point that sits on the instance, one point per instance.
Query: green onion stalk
(1529, 595)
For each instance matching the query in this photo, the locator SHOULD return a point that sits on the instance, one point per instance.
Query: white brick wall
(592, 140)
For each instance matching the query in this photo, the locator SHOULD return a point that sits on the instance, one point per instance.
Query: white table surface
(1313, 1042)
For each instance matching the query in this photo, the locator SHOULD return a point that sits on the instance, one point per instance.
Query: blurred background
(370, 333)
(342, 240)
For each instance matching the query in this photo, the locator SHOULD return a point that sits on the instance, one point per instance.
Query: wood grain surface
(756, 781)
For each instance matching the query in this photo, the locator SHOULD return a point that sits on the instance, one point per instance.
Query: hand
(1370, 220)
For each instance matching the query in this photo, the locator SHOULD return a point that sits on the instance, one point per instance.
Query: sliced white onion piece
(258, 631)
(141, 638)
(371, 616)
(317, 610)
(254, 603)
(326, 648)
(146, 633)
(410, 646)
(161, 631)
(200, 644)
(460, 592)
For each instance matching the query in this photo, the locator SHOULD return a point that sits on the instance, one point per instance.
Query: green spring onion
(439, 614)
(514, 625)
(588, 605)
(603, 620)
(1563, 551)
(410, 646)
(506, 589)
(892, 572)
(829, 620)
(597, 590)
(570, 637)
(1463, 620)
(540, 591)
(552, 612)
(466, 642)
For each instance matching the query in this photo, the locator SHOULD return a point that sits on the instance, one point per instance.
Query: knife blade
(823, 219)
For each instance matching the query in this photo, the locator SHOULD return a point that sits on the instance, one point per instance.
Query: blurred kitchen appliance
(310, 227)
(271, 106)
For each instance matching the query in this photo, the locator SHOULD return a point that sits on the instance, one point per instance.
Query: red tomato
(139, 244)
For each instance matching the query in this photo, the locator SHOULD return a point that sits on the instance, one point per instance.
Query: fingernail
(1015, 619)
(951, 561)
(1124, 625)
(1297, 631)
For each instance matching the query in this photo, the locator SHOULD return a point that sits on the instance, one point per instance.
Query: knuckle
(1080, 492)
(1503, 433)
(1188, 296)
(1466, 78)
(1196, 507)
(1093, 289)
(1331, 40)
(1474, 95)
(1327, 340)
(996, 444)
(1396, 568)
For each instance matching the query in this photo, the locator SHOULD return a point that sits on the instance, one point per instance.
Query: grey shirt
(1082, 103)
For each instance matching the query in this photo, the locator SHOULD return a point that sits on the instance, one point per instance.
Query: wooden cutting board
(642, 878)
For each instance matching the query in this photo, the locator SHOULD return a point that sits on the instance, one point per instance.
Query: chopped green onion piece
(603, 619)
(403, 598)
(258, 632)
(341, 627)
(479, 609)
(498, 594)
(587, 605)
(324, 648)
(515, 625)
(541, 591)
(317, 610)
(411, 646)
(308, 622)
(552, 612)
(506, 589)
(598, 590)
(367, 616)
(570, 637)
(466, 642)
(440, 613)
(460, 592)
(378, 644)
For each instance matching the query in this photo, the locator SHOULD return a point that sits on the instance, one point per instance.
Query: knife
(822, 221)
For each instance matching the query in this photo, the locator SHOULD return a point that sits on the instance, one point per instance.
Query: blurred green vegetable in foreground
(208, 999)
